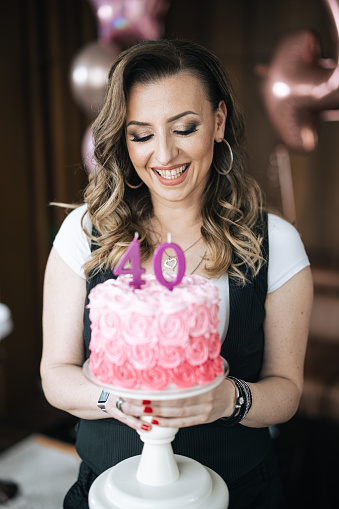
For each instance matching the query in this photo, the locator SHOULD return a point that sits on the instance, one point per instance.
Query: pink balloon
(89, 74)
(299, 88)
(87, 150)
(148, 28)
(127, 21)
(111, 18)
(146, 17)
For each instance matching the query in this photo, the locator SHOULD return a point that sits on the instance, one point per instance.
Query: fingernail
(145, 427)
(154, 421)
(146, 402)
(148, 410)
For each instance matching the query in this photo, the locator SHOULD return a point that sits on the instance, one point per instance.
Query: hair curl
(231, 209)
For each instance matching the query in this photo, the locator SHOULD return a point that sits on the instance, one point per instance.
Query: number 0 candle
(157, 262)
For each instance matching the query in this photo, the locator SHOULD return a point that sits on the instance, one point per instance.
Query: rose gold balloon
(128, 21)
(300, 89)
(87, 150)
(147, 17)
(89, 73)
(111, 18)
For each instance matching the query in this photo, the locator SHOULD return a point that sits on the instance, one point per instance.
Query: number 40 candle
(132, 254)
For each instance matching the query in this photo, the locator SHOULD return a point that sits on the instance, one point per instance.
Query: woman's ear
(221, 115)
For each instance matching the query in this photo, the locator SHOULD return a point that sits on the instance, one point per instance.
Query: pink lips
(171, 182)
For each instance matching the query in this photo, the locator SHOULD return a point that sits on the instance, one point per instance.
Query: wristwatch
(103, 398)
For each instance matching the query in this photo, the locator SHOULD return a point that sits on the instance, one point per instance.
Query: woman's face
(170, 134)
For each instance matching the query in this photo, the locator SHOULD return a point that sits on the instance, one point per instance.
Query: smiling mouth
(172, 174)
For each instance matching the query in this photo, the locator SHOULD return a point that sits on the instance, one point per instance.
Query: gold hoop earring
(134, 187)
(230, 166)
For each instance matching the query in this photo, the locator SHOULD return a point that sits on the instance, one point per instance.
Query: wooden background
(42, 128)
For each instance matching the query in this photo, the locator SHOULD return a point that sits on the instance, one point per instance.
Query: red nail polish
(148, 410)
(146, 402)
(145, 427)
(154, 421)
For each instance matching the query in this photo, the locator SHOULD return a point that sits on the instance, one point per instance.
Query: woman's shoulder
(71, 242)
(75, 221)
(74, 217)
(280, 228)
(287, 254)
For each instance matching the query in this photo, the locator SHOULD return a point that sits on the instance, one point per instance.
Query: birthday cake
(153, 338)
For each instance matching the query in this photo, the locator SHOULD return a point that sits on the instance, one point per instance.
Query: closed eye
(192, 129)
(142, 138)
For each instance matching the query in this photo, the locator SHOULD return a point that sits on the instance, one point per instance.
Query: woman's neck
(182, 222)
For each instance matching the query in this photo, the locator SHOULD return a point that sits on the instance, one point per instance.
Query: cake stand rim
(163, 395)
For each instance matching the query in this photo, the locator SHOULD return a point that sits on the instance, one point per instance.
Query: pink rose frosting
(205, 373)
(199, 322)
(138, 329)
(155, 379)
(214, 345)
(116, 352)
(103, 369)
(109, 324)
(172, 329)
(170, 357)
(214, 317)
(197, 351)
(183, 376)
(218, 366)
(126, 376)
(95, 361)
(143, 356)
(96, 339)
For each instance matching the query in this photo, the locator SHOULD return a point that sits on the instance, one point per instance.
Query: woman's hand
(130, 413)
(181, 413)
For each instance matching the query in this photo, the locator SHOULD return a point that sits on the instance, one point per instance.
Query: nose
(165, 150)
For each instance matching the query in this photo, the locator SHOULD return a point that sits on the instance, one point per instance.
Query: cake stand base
(197, 487)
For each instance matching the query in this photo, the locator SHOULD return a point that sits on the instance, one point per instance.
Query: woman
(168, 146)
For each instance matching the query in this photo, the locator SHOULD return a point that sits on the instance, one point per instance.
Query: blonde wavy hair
(231, 207)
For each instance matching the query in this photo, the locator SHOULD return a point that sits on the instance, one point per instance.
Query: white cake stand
(158, 479)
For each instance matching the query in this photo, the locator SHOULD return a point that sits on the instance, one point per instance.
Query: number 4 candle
(133, 254)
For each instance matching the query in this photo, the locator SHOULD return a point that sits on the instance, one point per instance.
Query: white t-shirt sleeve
(71, 243)
(287, 255)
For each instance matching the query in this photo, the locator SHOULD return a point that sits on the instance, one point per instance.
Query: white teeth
(172, 174)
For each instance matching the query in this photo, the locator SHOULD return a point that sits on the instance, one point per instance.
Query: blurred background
(282, 56)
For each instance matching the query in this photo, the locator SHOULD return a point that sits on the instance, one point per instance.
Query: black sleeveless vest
(230, 451)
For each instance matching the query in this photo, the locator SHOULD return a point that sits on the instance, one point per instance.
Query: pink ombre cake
(154, 338)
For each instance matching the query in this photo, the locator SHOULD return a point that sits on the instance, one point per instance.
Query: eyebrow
(172, 119)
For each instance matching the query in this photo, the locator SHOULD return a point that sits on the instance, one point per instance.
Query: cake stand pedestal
(158, 479)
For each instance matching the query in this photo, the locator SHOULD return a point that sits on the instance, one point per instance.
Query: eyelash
(192, 129)
(140, 140)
